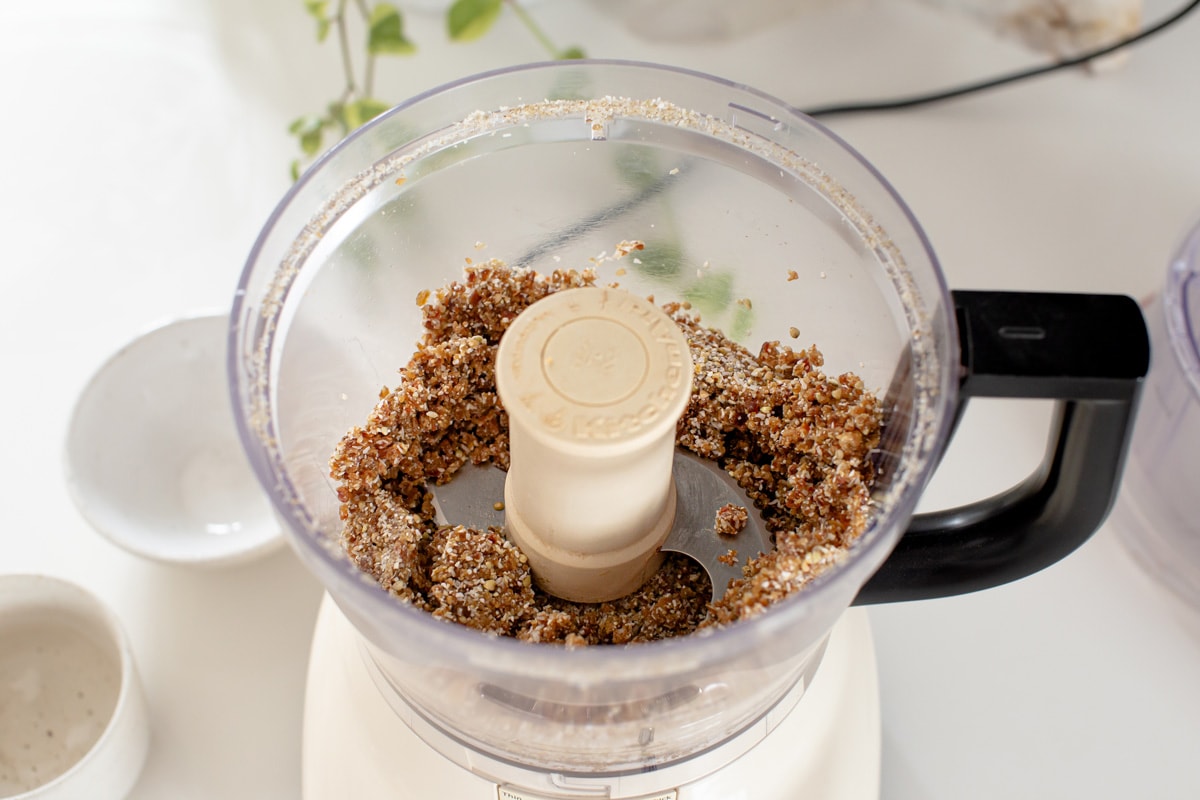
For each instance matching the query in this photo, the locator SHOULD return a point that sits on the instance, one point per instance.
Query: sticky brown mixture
(795, 439)
(730, 520)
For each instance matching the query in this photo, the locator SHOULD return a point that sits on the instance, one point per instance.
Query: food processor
(773, 230)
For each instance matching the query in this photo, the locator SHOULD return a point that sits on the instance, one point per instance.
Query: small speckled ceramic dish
(153, 460)
(74, 717)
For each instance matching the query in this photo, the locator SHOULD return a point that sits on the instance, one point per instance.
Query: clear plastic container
(1157, 513)
(730, 195)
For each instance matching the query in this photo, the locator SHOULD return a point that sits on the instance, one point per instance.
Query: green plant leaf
(469, 19)
(640, 169)
(362, 111)
(308, 129)
(294, 170)
(711, 292)
(659, 262)
(572, 53)
(319, 10)
(337, 115)
(742, 323)
(385, 34)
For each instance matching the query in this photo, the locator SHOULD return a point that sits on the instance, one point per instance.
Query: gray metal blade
(475, 498)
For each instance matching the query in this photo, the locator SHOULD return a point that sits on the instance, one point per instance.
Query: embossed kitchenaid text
(611, 367)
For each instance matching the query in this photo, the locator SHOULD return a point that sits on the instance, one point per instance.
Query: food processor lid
(934, 375)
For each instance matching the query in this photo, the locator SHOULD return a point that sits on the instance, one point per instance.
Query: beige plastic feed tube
(594, 381)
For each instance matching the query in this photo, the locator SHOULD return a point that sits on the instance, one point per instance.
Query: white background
(144, 142)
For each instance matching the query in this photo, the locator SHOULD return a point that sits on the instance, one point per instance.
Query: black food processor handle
(1088, 352)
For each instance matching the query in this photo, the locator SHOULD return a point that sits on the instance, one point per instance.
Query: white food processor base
(355, 745)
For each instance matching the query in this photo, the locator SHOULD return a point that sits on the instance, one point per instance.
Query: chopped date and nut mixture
(795, 439)
(730, 520)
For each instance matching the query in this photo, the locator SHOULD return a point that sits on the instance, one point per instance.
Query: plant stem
(530, 23)
(339, 19)
(369, 68)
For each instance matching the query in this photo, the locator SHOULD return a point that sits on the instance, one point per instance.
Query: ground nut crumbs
(795, 439)
(730, 520)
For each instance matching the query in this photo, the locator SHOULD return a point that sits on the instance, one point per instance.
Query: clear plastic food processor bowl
(547, 166)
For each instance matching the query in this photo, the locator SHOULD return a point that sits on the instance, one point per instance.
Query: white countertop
(144, 143)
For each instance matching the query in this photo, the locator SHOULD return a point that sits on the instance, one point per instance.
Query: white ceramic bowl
(153, 460)
(74, 717)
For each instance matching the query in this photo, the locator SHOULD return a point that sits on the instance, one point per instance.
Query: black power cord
(1002, 80)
